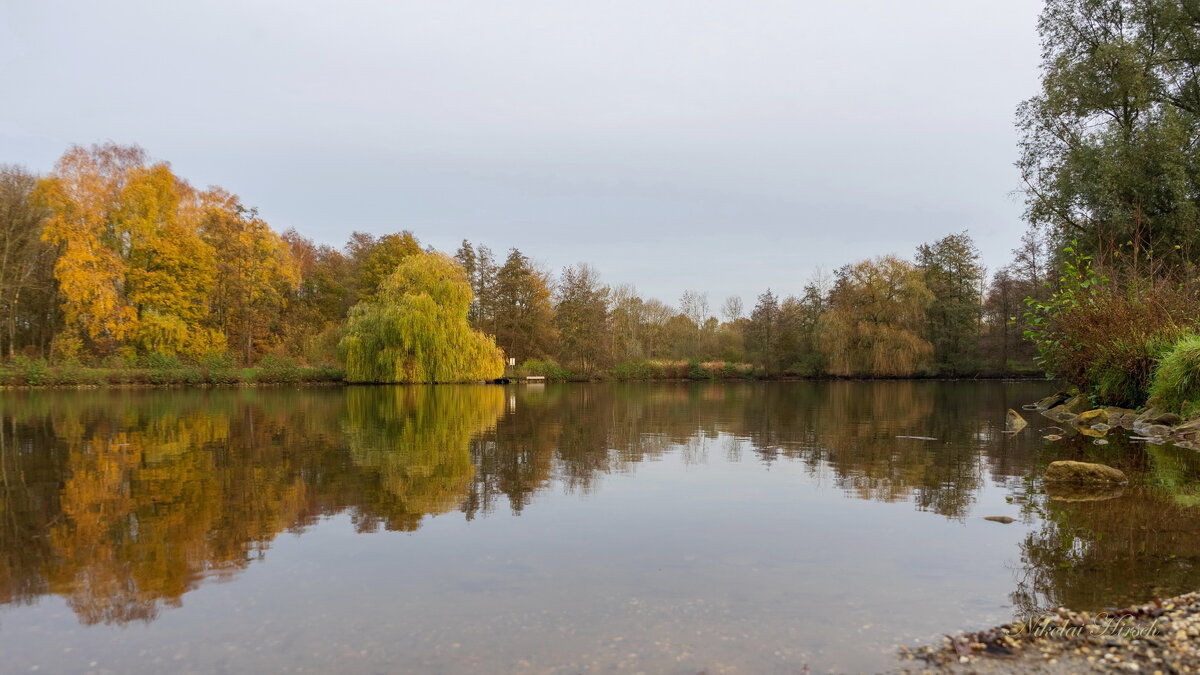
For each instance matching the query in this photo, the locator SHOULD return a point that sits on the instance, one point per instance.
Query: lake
(665, 527)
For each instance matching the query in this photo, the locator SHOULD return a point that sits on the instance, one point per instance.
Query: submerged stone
(1014, 422)
(1067, 471)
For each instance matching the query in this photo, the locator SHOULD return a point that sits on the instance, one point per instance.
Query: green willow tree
(415, 329)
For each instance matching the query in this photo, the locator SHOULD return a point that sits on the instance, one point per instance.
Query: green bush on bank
(1176, 384)
(544, 368)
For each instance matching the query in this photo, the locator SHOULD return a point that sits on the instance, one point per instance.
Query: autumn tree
(132, 268)
(522, 309)
(83, 196)
(313, 316)
(479, 263)
(875, 320)
(170, 271)
(415, 329)
(376, 258)
(581, 316)
(256, 273)
(27, 306)
(762, 331)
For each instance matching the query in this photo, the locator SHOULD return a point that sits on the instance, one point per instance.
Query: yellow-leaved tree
(256, 273)
(132, 269)
(415, 329)
(83, 196)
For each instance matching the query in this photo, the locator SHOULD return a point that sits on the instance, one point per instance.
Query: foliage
(874, 325)
(276, 368)
(581, 315)
(416, 329)
(954, 275)
(1108, 146)
(1176, 383)
(546, 368)
(1106, 334)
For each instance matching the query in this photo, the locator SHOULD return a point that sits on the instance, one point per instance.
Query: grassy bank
(25, 372)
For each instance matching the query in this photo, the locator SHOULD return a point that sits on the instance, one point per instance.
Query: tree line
(112, 258)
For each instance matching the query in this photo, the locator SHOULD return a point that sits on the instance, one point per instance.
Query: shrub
(157, 361)
(219, 369)
(696, 371)
(275, 368)
(546, 368)
(637, 370)
(1176, 383)
(33, 372)
(1106, 335)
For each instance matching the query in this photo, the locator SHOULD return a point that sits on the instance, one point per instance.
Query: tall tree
(26, 263)
(256, 274)
(524, 315)
(954, 275)
(1108, 149)
(83, 195)
(378, 258)
(581, 315)
(762, 331)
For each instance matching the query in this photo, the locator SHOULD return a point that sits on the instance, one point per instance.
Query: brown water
(677, 528)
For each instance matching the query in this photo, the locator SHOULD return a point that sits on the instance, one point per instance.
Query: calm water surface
(678, 528)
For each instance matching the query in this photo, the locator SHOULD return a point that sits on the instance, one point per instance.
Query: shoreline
(1157, 636)
(317, 382)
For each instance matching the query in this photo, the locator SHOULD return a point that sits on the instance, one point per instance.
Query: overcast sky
(722, 146)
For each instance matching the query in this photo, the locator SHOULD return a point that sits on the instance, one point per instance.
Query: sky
(720, 146)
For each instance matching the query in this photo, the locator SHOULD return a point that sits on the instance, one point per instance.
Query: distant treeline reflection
(123, 501)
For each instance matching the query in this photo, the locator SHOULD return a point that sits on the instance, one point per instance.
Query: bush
(219, 369)
(697, 371)
(33, 372)
(1106, 335)
(157, 361)
(547, 369)
(1176, 383)
(637, 370)
(275, 368)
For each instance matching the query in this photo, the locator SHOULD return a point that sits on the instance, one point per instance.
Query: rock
(1077, 404)
(1090, 417)
(1014, 422)
(1053, 437)
(999, 519)
(1052, 401)
(1189, 431)
(1152, 430)
(1083, 492)
(1158, 416)
(1060, 414)
(1100, 427)
(1083, 472)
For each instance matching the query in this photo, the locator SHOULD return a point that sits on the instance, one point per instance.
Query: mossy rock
(1066, 471)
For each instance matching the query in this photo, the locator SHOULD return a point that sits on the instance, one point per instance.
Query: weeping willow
(416, 329)
(873, 327)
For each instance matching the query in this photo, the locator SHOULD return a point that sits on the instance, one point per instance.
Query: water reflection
(122, 502)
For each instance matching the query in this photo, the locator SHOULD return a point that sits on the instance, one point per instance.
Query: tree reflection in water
(122, 502)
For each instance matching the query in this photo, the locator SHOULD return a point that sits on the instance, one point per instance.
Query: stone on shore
(1066, 471)
(1052, 401)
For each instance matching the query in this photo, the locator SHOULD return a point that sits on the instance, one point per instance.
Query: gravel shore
(1159, 637)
